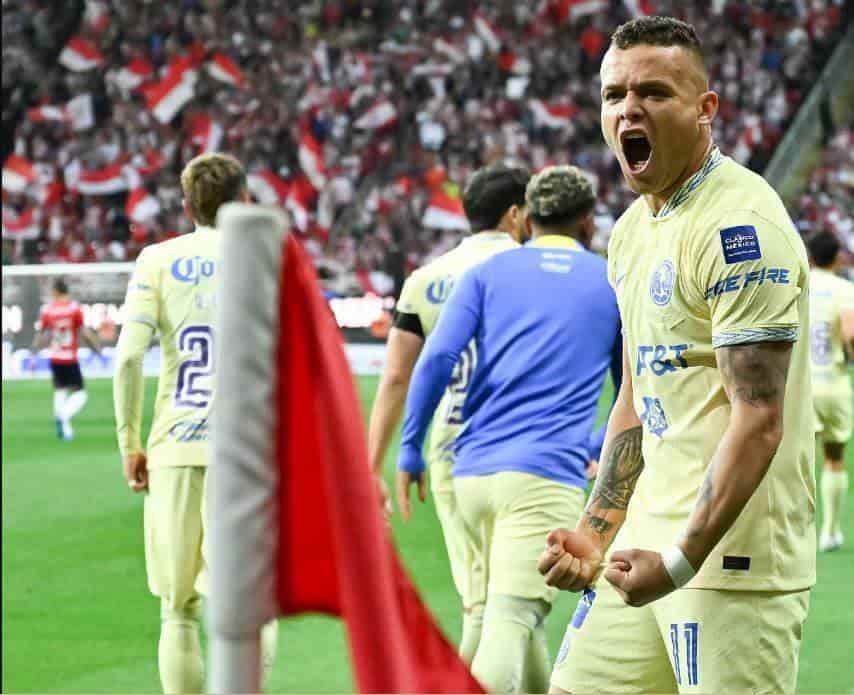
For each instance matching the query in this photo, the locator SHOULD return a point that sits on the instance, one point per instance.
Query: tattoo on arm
(755, 374)
(618, 474)
(704, 499)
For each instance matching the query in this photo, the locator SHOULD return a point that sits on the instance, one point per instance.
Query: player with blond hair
(706, 485)
(172, 293)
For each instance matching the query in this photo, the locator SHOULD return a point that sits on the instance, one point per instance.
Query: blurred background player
(545, 326)
(172, 292)
(60, 324)
(712, 282)
(831, 337)
(494, 201)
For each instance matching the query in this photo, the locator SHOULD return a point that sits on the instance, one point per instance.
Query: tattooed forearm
(755, 374)
(598, 524)
(618, 472)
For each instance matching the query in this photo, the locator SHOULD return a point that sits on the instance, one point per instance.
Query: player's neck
(656, 201)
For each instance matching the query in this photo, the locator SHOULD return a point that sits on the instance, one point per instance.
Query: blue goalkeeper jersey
(546, 328)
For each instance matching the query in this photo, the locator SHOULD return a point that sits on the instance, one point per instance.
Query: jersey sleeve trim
(746, 336)
(408, 322)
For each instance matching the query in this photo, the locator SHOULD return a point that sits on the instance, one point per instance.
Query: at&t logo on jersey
(661, 284)
(440, 289)
(661, 359)
(653, 416)
(193, 269)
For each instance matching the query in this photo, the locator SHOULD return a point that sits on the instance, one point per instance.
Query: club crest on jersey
(440, 289)
(661, 284)
(653, 416)
(192, 269)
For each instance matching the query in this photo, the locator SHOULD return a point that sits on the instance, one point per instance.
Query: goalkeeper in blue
(544, 325)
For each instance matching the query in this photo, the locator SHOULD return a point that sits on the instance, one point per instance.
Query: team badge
(653, 416)
(440, 289)
(661, 284)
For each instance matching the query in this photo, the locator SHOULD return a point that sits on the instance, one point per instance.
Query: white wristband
(680, 570)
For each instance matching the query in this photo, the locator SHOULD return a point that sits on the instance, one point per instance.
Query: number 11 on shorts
(691, 635)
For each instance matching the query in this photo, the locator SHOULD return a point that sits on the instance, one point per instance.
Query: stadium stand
(362, 118)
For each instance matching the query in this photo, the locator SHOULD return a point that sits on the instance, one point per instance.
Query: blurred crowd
(828, 201)
(362, 117)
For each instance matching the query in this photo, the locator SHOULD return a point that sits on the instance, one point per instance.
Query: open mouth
(637, 151)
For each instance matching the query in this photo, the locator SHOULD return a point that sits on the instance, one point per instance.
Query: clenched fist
(571, 560)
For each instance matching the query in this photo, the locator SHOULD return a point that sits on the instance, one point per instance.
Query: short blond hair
(210, 180)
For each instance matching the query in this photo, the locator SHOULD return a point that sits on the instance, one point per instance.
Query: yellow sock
(179, 656)
(269, 644)
(538, 666)
(834, 487)
(472, 627)
(508, 625)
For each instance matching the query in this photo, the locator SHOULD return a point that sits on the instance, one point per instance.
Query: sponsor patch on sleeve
(740, 244)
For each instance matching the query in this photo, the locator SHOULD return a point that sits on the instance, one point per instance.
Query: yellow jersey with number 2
(172, 291)
(720, 265)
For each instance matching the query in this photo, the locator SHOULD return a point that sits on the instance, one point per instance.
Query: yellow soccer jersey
(172, 290)
(720, 265)
(424, 294)
(829, 295)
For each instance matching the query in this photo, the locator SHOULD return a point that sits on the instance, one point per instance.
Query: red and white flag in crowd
(381, 115)
(487, 32)
(141, 206)
(205, 132)
(573, 10)
(80, 55)
(46, 112)
(445, 212)
(450, 50)
(554, 114)
(133, 74)
(113, 178)
(50, 194)
(97, 16)
(311, 159)
(166, 98)
(640, 8)
(223, 68)
(300, 202)
(18, 173)
(749, 138)
(290, 446)
(79, 113)
(267, 187)
(20, 226)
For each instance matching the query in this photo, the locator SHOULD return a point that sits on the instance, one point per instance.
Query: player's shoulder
(739, 211)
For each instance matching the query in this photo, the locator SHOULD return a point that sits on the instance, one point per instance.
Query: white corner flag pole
(242, 484)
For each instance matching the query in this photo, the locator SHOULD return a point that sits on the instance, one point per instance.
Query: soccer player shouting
(494, 201)
(545, 325)
(172, 292)
(831, 336)
(708, 465)
(61, 322)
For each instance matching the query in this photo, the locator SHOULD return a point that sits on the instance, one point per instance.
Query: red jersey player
(61, 322)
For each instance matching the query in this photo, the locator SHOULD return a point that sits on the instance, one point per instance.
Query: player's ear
(707, 108)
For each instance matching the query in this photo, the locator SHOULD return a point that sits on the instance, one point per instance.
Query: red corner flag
(317, 529)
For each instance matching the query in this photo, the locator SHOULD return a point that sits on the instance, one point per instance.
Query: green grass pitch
(78, 617)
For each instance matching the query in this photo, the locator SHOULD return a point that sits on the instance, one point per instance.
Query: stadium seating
(359, 117)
